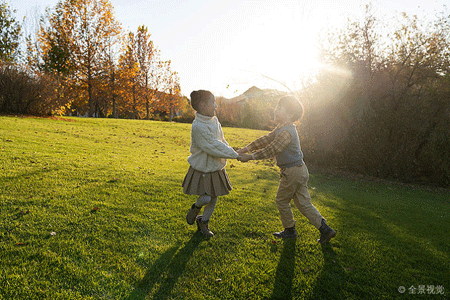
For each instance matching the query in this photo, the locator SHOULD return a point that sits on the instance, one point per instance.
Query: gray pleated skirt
(213, 184)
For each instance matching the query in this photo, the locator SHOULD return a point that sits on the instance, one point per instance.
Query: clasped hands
(243, 157)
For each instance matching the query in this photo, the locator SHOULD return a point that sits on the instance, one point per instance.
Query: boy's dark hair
(293, 106)
(201, 96)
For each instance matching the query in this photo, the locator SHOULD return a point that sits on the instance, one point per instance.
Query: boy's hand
(242, 151)
(244, 158)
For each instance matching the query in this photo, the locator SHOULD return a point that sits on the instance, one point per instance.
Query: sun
(271, 50)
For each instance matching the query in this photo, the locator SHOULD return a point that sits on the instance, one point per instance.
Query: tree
(78, 34)
(173, 101)
(55, 40)
(166, 82)
(382, 107)
(110, 78)
(146, 56)
(128, 74)
(10, 32)
(148, 84)
(24, 92)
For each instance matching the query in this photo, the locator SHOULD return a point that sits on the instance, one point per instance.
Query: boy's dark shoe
(287, 233)
(203, 227)
(326, 233)
(192, 213)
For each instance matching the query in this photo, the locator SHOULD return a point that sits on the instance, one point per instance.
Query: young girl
(284, 144)
(206, 176)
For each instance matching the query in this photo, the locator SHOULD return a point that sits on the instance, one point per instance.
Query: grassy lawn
(93, 209)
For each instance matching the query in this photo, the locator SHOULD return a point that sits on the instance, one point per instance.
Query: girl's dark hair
(201, 96)
(293, 106)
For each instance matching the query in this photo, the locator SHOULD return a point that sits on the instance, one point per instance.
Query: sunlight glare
(279, 45)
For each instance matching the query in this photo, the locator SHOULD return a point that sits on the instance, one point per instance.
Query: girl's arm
(206, 141)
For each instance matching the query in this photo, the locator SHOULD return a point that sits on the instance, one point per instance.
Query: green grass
(93, 209)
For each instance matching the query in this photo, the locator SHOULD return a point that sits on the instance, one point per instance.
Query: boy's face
(281, 115)
(209, 107)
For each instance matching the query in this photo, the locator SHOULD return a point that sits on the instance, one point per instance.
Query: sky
(228, 46)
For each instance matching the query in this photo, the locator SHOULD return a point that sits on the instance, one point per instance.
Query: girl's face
(209, 108)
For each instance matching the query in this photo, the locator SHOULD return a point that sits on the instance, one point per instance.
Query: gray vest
(292, 155)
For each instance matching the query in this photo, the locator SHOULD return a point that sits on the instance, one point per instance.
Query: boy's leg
(286, 190)
(302, 199)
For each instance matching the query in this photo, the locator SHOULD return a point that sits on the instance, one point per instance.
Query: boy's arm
(206, 141)
(261, 142)
(275, 147)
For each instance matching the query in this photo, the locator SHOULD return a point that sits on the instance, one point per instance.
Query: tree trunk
(134, 102)
(114, 106)
(91, 102)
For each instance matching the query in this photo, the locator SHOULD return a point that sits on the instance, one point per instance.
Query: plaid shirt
(270, 145)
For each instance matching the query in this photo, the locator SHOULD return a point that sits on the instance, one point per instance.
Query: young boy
(283, 143)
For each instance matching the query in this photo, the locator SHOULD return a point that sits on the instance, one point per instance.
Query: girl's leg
(202, 223)
(209, 209)
(209, 203)
(203, 200)
(196, 207)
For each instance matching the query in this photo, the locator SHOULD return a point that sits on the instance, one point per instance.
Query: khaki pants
(293, 185)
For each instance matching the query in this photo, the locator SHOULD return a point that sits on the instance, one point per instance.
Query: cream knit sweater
(208, 146)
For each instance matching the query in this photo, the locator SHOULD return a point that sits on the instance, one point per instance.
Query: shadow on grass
(166, 270)
(388, 239)
(332, 278)
(282, 288)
